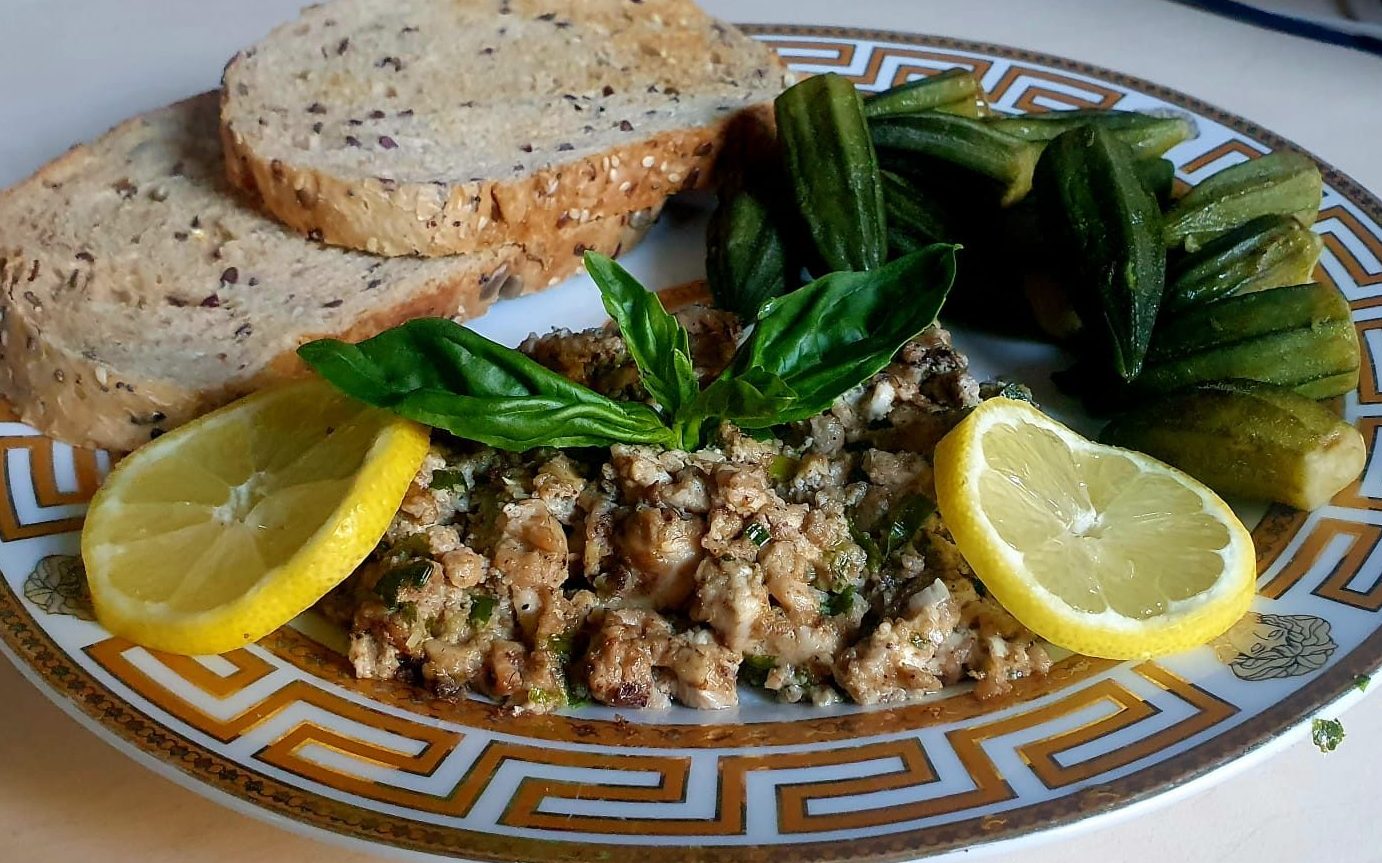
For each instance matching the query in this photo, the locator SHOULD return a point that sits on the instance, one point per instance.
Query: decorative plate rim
(79, 693)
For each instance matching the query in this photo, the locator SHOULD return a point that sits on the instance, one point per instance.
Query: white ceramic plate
(282, 729)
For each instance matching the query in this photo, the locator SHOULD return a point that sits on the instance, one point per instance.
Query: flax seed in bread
(137, 291)
(422, 127)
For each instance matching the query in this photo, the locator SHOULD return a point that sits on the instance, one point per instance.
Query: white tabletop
(71, 68)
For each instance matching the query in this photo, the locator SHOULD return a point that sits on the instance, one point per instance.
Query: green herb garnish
(442, 374)
(1362, 681)
(659, 345)
(1327, 734)
(413, 574)
(805, 350)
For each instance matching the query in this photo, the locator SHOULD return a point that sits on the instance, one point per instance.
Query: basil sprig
(805, 350)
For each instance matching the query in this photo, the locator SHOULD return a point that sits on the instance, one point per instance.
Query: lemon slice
(1103, 551)
(219, 532)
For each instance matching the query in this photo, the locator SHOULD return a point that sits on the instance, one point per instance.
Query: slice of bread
(425, 127)
(137, 291)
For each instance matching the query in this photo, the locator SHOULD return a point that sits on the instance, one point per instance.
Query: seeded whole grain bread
(137, 291)
(425, 127)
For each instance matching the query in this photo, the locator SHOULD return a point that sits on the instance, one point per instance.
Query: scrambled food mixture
(811, 564)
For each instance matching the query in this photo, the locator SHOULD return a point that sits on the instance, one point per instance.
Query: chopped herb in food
(413, 574)
(561, 645)
(904, 520)
(873, 553)
(757, 534)
(838, 603)
(783, 468)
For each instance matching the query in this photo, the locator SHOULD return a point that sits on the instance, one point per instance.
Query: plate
(282, 729)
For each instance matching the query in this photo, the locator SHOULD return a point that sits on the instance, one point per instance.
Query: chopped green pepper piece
(755, 669)
(481, 608)
(448, 480)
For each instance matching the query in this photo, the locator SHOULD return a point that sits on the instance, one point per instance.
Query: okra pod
(1299, 337)
(954, 91)
(968, 143)
(833, 171)
(1107, 227)
(1282, 183)
(1248, 439)
(746, 253)
(1146, 135)
(1267, 252)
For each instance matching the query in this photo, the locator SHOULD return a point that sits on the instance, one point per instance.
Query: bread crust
(387, 217)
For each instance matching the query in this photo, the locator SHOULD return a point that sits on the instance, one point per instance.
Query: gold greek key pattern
(40, 484)
(376, 771)
(284, 724)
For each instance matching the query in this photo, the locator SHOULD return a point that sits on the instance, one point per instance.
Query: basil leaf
(439, 373)
(839, 331)
(754, 399)
(659, 345)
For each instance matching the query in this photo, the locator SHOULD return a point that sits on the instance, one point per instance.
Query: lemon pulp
(222, 530)
(1100, 550)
